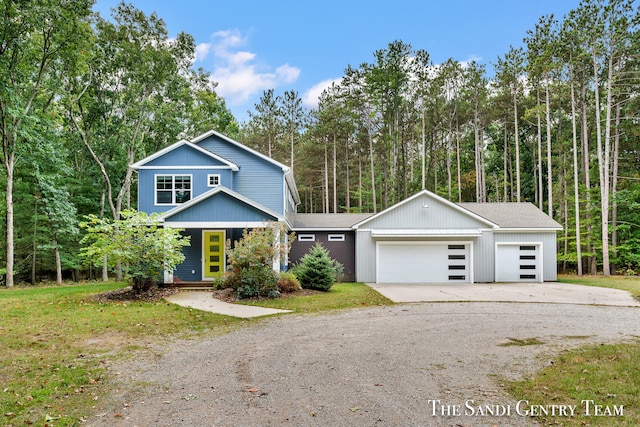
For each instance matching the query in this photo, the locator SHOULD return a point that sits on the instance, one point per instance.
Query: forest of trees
(556, 124)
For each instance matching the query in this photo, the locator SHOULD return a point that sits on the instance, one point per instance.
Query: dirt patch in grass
(227, 295)
(128, 294)
(521, 342)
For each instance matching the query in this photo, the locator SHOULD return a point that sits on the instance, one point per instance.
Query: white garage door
(419, 262)
(518, 263)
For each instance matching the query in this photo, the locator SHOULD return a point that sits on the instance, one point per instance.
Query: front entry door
(214, 262)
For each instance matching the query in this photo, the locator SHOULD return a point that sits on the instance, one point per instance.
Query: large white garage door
(518, 263)
(419, 262)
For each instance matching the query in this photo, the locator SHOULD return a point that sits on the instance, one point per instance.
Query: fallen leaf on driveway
(252, 390)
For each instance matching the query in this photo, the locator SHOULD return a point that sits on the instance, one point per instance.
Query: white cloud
(465, 64)
(202, 51)
(238, 73)
(311, 97)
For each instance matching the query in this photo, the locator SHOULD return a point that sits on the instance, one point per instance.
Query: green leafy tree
(36, 38)
(138, 242)
(251, 262)
(317, 270)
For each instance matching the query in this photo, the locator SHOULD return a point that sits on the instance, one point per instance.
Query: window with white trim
(306, 237)
(213, 180)
(172, 189)
(336, 237)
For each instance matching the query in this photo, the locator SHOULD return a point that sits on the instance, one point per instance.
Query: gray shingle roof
(512, 215)
(328, 221)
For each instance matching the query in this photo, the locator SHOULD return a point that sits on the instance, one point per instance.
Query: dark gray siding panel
(343, 252)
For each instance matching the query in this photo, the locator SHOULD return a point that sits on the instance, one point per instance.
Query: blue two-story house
(213, 187)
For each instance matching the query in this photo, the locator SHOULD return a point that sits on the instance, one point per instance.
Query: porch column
(276, 258)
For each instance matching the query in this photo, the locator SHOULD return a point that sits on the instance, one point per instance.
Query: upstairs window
(213, 180)
(173, 189)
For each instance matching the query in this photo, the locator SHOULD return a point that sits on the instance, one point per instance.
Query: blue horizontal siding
(221, 207)
(199, 184)
(185, 156)
(257, 178)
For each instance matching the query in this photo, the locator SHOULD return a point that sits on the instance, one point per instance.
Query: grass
(631, 284)
(606, 375)
(340, 296)
(57, 341)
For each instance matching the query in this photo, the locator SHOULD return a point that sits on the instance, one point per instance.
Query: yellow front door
(213, 251)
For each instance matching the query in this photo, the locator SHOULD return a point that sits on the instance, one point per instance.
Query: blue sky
(252, 46)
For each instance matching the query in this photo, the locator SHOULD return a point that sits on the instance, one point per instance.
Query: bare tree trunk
(347, 183)
(9, 167)
(603, 160)
(326, 178)
(423, 154)
(614, 186)
(335, 178)
(539, 137)
(549, 165)
(458, 161)
(373, 173)
(505, 168)
(517, 142)
(576, 192)
(58, 262)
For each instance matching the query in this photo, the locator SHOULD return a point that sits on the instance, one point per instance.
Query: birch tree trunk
(576, 192)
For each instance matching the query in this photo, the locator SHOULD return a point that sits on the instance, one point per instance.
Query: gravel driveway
(366, 367)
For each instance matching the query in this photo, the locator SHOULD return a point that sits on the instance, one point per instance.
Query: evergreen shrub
(317, 270)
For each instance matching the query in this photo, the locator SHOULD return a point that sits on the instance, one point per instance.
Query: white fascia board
(215, 225)
(157, 154)
(186, 167)
(426, 233)
(527, 230)
(310, 229)
(434, 196)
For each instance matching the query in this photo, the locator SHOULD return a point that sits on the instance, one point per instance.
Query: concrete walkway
(548, 292)
(205, 301)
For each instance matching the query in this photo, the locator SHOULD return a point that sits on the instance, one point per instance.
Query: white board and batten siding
(521, 255)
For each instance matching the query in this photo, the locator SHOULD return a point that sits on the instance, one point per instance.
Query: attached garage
(428, 239)
(423, 262)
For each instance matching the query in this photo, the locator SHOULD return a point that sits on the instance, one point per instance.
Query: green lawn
(631, 284)
(56, 341)
(340, 296)
(607, 375)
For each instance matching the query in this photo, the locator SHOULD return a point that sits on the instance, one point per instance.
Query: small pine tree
(317, 270)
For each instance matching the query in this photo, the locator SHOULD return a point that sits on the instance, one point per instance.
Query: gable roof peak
(183, 142)
(212, 132)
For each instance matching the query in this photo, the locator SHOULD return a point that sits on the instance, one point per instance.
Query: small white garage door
(518, 263)
(419, 262)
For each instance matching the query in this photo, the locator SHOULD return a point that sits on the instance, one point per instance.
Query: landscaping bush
(250, 264)
(255, 281)
(288, 282)
(317, 270)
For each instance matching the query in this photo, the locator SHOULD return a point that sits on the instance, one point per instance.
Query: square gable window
(213, 180)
